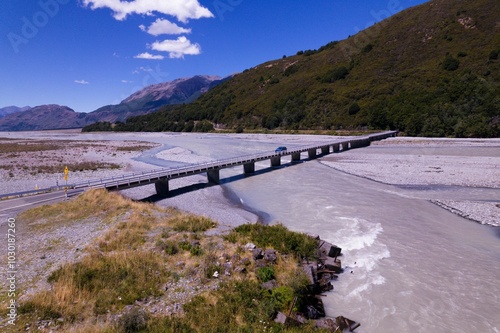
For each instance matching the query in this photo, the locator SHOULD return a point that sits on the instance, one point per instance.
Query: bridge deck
(165, 174)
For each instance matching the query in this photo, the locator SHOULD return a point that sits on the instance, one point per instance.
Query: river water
(410, 266)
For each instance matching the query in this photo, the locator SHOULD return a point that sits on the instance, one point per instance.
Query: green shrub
(354, 108)
(280, 238)
(493, 55)
(367, 48)
(283, 297)
(266, 273)
(169, 247)
(335, 74)
(196, 251)
(44, 312)
(135, 320)
(450, 63)
(192, 223)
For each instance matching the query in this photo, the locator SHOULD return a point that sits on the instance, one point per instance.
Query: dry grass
(95, 203)
(27, 146)
(144, 250)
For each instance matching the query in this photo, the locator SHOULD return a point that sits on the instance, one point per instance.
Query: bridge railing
(172, 172)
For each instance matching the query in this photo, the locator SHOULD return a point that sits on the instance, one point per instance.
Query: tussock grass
(72, 167)
(191, 223)
(26, 146)
(92, 203)
(276, 236)
(97, 284)
(150, 248)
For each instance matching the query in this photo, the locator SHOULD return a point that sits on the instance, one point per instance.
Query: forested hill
(431, 70)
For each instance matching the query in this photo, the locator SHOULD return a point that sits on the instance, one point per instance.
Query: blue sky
(88, 53)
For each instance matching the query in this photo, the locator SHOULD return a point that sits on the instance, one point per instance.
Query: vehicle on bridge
(280, 149)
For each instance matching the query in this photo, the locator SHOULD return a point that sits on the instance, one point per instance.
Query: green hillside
(431, 70)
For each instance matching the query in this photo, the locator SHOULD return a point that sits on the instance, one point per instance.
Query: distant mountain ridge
(146, 100)
(12, 109)
(43, 117)
(430, 70)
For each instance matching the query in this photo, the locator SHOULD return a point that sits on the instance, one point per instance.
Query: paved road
(12, 207)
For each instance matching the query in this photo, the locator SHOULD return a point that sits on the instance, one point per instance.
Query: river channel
(410, 266)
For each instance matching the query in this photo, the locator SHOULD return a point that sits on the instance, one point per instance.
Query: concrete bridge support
(345, 146)
(161, 187)
(296, 157)
(355, 144)
(249, 167)
(364, 143)
(325, 150)
(275, 161)
(213, 176)
(312, 153)
(336, 147)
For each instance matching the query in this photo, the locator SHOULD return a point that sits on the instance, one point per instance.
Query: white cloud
(142, 69)
(147, 55)
(81, 82)
(177, 48)
(183, 10)
(162, 26)
(127, 81)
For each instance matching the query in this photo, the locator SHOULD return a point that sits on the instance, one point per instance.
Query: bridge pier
(275, 161)
(249, 167)
(336, 147)
(161, 187)
(213, 176)
(312, 153)
(325, 150)
(345, 146)
(355, 144)
(295, 157)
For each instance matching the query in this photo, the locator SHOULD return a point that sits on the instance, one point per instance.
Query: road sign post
(66, 172)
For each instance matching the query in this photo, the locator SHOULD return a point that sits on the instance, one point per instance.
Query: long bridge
(162, 176)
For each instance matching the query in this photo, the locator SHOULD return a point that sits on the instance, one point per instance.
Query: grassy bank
(155, 270)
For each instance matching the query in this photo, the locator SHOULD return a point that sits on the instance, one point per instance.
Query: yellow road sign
(66, 171)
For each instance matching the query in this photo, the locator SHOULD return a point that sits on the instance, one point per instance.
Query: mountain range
(430, 70)
(12, 109)
(144, 101)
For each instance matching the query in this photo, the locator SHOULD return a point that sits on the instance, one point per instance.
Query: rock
(245, 261)
(345, 323)
(281, 318)
(257, 254)
(260, 263)
(327, 324)
(250, 246)
(309, 270)
(240, 269)
(333, 265)
(314, 307)
(328, 249)
(269, 285)
(285, 320)
(270, 256)
(315, 236)
(227, 268)
(324, 283)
